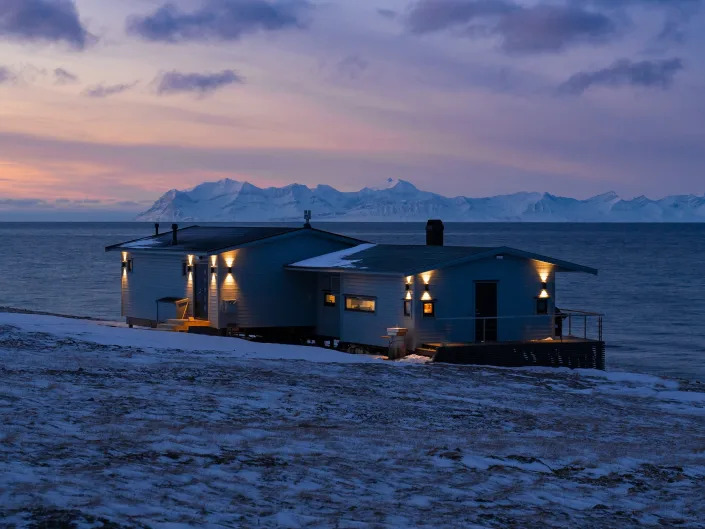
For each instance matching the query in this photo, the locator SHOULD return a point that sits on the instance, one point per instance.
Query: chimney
(307, 218)
(434, 232)
(174, 236)
(156, 228)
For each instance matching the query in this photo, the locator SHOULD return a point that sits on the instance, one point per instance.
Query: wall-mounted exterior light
(230, 270)
(426, 296)
(213, 270)
(127, 265)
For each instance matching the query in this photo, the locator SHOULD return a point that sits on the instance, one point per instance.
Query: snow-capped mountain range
(232, 201)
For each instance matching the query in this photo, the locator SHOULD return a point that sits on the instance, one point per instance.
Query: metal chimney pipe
(156, 228)
(174, 236)
(434, 232)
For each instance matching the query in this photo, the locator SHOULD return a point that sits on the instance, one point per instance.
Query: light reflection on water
(651, 285)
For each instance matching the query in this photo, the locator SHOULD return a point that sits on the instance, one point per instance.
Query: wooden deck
(575, 353)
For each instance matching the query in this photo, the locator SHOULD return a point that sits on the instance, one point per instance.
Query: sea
(650, 287)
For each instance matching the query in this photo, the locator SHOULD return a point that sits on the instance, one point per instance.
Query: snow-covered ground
(140, 428)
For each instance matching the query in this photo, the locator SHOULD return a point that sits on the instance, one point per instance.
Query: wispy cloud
(521, 28)
(6, 75)
(656, 74)
(200, 83)
(103, 90)
(63, 77)
(43, 21)
(225, 20)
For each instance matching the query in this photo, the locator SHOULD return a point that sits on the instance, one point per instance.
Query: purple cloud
(201, 83)
(522, 29)
(43, 21)
(649, 74)
(102, 90)
(225, 20)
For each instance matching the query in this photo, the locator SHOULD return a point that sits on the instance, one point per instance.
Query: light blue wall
(453, 289)
(328, 321)
(370, 328)
(268, 295)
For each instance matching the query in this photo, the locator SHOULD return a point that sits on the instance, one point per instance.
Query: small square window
(407, 307)
(329, 299)
(429, 309)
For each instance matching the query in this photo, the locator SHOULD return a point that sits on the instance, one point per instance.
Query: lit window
(429, 309)
(329, 299)
(407, 307)
(360, 303)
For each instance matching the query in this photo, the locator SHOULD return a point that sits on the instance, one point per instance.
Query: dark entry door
(486, 311)
(200, 291)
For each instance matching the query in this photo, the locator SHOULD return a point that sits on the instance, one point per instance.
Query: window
(542, 306)
(360, 303)
(429, 309)
(407, 307)
(329, 299)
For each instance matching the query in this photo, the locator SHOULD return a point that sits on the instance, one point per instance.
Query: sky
(106, 105)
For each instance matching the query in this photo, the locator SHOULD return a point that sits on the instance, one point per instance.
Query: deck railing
(566, 324)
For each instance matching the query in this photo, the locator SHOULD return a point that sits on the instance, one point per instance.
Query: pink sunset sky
(105, 105)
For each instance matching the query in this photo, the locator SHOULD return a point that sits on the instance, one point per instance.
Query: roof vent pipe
(434, 232)
(156, 228)
(174, 236)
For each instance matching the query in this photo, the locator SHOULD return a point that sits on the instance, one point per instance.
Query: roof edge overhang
(561, 265)
(327, 234)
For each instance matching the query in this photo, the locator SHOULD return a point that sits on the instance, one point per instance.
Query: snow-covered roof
(398, 259)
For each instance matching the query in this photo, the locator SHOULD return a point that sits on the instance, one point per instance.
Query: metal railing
(572, 315)
(579, 325)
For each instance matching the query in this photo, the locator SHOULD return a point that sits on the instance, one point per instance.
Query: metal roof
(210, 239)
(399, 259)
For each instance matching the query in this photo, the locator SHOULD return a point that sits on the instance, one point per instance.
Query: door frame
(201, 274)
(495, 321)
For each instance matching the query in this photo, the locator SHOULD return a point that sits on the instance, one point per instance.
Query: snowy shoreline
(144, 428)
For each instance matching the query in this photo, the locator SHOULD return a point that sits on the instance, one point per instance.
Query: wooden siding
(328, 318)
(453, 288)
(267, 295)
(154, 276)
(370, 328)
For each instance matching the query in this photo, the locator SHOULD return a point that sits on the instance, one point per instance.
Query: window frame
(542, 306)
(363, 298)
(408, 308)
(431, 314)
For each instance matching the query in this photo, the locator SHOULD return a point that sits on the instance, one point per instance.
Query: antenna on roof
(307, 218)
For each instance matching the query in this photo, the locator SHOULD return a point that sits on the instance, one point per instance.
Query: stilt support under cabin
(575, 354)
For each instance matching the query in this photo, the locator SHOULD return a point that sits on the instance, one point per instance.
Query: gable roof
(214, 239)
(397, 259)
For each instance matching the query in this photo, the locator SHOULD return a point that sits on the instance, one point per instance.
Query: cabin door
(200, 291)
(486, 311)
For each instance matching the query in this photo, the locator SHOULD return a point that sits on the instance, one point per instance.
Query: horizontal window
(360, 303)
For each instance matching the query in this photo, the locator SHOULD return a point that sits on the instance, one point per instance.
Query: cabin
(222, 278)
(489, 305)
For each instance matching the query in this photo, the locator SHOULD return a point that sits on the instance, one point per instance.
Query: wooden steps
(177, 325)
(426, 349)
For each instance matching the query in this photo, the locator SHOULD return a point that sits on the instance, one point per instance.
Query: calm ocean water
(651, 285)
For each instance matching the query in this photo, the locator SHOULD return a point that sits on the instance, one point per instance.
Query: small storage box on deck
(172, 308)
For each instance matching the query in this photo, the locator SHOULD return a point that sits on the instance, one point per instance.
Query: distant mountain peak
(229, 200)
